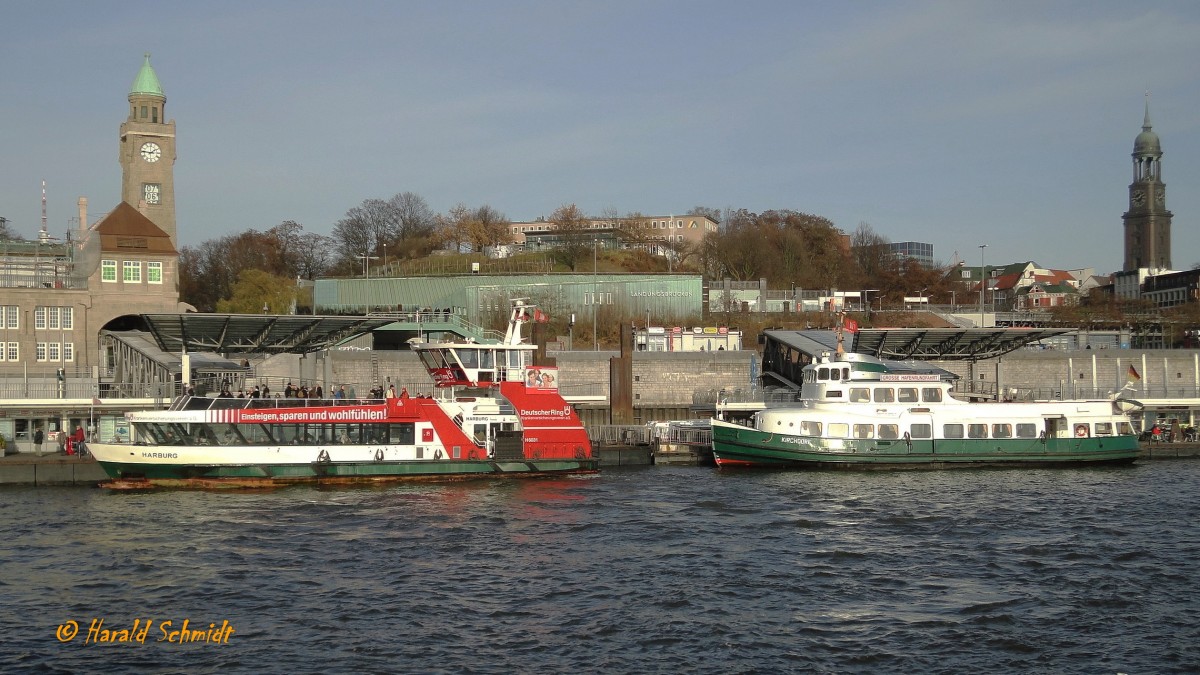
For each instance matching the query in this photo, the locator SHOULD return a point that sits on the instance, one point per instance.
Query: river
(653, 569)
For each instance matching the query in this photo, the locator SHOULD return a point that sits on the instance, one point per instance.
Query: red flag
(851, 325)
(540, 316)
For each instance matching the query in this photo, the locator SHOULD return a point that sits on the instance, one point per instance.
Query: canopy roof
(255, 333)
(947, 344)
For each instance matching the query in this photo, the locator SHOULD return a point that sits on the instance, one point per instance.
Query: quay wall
(1164, 373)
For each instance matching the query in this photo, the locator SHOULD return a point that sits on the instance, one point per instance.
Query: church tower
(148, 153)
(1147, 222)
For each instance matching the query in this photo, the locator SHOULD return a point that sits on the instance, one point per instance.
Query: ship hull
(735, 446)
(180, 472)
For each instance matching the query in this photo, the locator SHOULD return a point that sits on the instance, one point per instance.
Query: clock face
(1159, 198)
(150, 192)
(151, 152)
(1139, 198)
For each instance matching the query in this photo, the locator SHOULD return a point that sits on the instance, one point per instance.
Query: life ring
(473, 454)
(437, 454)
(379, 455)
(1081, 431)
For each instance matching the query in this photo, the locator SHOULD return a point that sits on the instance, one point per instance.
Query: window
(931, 395)
(864, 431)
(133, 271)
(885, 395)
(68, 351)
(10, 318)
(889, 431)
(921, 431)
(810, 428)
(52, 316)
(907, 395)
(154, 114)
(108, 270)
(143, 112)
(40, 352)
(154, 272)
(68, 318)
(1104, 428)
(39, 318)
(1001, 431)
(1027, 431)
(860, 395)
(977, 430)
(14, 351)
(839, 429)
(53, 352)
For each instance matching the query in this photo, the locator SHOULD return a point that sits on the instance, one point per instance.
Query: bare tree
(574, 234)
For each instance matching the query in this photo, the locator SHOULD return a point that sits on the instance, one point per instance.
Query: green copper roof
(146, 81)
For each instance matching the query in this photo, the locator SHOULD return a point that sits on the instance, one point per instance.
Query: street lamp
(921, 295)
(365, 258)
(982, 282)
(595, 292)
(385, 258)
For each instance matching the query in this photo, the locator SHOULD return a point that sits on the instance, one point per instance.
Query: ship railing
(747, 395)
(225, 403)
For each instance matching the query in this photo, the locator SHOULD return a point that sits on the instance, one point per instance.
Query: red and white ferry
(493, 414)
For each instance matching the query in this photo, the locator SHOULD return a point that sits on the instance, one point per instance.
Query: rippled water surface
(638, 570)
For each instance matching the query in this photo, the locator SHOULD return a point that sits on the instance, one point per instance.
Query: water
(639, 570)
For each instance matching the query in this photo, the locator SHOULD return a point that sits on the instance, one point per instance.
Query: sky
(952, 122)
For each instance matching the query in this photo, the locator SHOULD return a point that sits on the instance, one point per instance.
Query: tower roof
(1147, 142)
(146, 82)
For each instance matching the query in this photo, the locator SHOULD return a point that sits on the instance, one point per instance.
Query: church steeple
(1148, 222)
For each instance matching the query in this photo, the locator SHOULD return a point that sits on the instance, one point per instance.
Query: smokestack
(82, 216)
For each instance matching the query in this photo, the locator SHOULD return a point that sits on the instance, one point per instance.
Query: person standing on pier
(38, 438)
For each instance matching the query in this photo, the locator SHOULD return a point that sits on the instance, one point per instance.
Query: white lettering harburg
(161, 455)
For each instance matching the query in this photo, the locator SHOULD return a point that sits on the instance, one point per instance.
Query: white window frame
(39, 318)
(108, 271)
(54, 351)
(14, 351)
(151, 269)
(52, 316)
(39, 353)
(131, 271)
(11, 318)
(68, 351)
(68, 318)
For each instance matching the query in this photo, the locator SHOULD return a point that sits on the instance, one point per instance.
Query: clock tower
(148, 153)
(1147, 222)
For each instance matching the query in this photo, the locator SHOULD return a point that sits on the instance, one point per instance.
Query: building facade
(57, 295)
(657, 234)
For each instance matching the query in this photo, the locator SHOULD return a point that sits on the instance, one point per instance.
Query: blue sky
(957, 123)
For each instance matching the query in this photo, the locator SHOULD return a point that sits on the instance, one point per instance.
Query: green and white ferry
(856, 412)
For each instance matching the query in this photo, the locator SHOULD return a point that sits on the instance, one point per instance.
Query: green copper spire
(146, 81)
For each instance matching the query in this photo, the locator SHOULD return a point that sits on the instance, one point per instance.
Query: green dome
(146, 82)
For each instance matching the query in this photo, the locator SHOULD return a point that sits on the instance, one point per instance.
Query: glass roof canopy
(255, 333)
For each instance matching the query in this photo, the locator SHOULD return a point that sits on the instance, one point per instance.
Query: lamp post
(982, 282)
(385, 258)
(921, 294)
(595, 292)
(365, 258)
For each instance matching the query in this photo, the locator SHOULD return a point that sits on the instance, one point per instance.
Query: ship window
(468, 357)
(889, 431)
(921, 431)
(864, 430)
(487, 358)
(845, 373)
(931, 395)
(839, 430)
(885, 395)
(860, 395)
(1027, 431)
(907, 395)
(1001, 431)
(833, 393)
(977, 431)
(810, 428)
(1124, 428)
(1104, 428)
(823, 374)
(952, 430)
